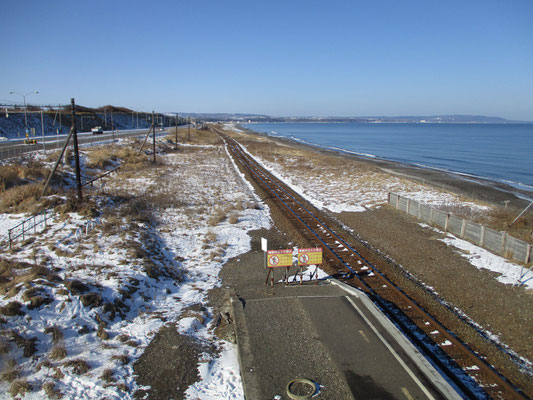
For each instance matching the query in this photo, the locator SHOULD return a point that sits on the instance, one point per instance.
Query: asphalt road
(16, 147)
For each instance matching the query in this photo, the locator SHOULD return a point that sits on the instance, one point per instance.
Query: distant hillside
(58, 120)
(479, 119)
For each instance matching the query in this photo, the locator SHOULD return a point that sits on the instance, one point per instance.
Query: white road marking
(388, 346)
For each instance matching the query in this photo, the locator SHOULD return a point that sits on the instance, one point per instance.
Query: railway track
(440, 345)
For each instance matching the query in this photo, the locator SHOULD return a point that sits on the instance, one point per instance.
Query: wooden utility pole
(153, 142)
(76, 152)
(176, 130)
(189, 136)
(112, 126)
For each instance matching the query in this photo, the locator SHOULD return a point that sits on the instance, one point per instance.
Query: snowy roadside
(83, 309)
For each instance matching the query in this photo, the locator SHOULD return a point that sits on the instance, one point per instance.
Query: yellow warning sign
(279, 258)
(310, 256)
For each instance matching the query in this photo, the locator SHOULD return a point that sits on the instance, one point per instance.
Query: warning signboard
(310, 256)
(279, 258)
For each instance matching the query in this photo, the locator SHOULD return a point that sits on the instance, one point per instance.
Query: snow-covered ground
(145, 273)
(356, 193)
(152, 271)
(508, 272)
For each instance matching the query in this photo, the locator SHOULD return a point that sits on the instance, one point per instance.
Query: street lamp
(24, 98)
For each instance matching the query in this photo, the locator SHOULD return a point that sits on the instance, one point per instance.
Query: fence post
(397, 201)
(431, 215)
(482, 236)
(9, 236)
(419, 213)
(528, 253)
(446, 222)
(463, 228)
(34, 226)
(22, 230)
(408, 205)
(504, 242)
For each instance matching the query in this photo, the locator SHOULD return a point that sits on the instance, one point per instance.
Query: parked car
(97, 130)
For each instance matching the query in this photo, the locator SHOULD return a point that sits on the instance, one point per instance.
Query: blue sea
(498, 152)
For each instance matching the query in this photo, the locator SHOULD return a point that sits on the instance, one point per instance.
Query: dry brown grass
(196, 136)
(20, 199)
(79, 366)
(122, 358)
(10, 371)
(217, 216)
(107, 376)
(57, 335)
(19, 387)
(14, 175)
(58, 353)
(15, 274)
(500, 219)
(51, 391)
(233, 218)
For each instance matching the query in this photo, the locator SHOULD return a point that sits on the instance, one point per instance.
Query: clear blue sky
(345, 58)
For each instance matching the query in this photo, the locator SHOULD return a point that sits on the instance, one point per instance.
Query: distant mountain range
(242, 118)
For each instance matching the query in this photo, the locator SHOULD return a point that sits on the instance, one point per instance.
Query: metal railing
(23, 228)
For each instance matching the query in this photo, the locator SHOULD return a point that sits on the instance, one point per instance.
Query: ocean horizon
(494, 152)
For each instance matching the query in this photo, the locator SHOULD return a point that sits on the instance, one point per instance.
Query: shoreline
(482, 189)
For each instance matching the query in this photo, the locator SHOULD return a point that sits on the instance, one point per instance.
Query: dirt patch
(168, 365)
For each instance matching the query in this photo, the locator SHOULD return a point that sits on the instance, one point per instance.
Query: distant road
(15, 147)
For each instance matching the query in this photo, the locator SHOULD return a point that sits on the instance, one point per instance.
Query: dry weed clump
(20, 199)
(57, 335)
(10, 371)
(233, 218)
(500, 219)
(19, 387)
(217, 216)
(51, 391)
(107, 376)
(101, 158)
(14, 175)
(14, 275)
(79, 366)
(122, 358)
(58, 353)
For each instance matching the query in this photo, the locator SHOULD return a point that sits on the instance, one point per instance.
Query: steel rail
(388, 296)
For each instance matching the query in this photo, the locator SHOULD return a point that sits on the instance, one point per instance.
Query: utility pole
(76, 152)
(153, 142)
(42, 130)
(112, 126)
(176, 121)
(189, 135)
